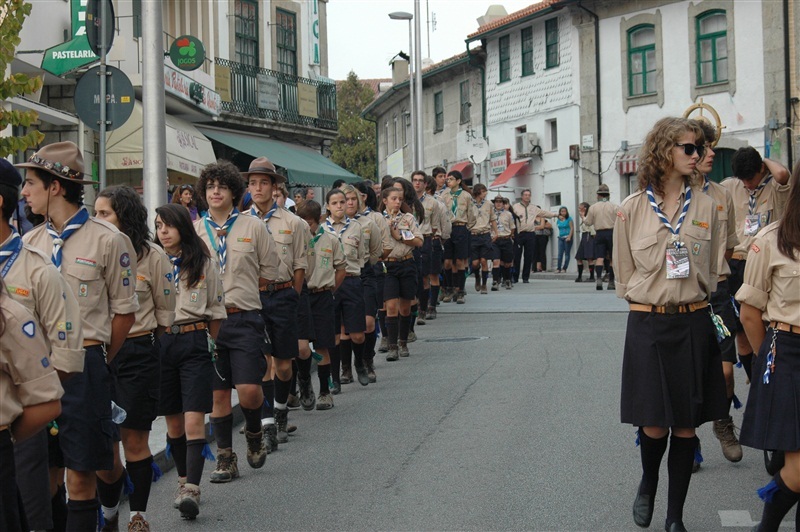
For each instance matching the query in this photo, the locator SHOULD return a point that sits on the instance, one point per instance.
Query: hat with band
(262, 165)
(603, 190)
(62, 160)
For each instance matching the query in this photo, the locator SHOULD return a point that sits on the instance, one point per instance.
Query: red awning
(511, 171)
(628, 163)
(466, 168)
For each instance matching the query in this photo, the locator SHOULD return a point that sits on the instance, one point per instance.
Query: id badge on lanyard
(752, 223)
(677, 262)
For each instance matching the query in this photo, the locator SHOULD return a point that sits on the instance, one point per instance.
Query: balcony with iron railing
(262, 93)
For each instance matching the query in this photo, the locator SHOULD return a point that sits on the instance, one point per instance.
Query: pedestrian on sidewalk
(566, 232)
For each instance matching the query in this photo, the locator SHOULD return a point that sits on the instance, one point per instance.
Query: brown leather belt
(139, 335)
(722, 278)
(319, 290)
(669, 308)
(187, 327)
(399, 259)
(429, 235)
(274, 287)
(739, 256)
(503, 237)
(459, 223)
(233, 310)
(89, 343)
(436, 237)
(352, 275)
(785, 327)
(480, 233)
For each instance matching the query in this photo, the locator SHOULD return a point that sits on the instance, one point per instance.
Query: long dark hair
(789, 226)
(411, 200)
(178, 192)
(366, 188)
(194, 252)
(132, 216)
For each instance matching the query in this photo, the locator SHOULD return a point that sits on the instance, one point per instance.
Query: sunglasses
(690, 149)
(186, 187)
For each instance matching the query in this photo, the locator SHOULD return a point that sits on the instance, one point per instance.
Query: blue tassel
(168, 452)
(266, 402)
(737, 404)
(698, 456)
(128, 487)
(637, 439)
(739, 364)
(207, 454)
(157, 474)
(101, 522)
(767, 492)
(210, 429)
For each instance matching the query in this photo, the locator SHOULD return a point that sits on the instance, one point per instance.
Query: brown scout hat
(262, 165)
(61, 159)
(603, 190)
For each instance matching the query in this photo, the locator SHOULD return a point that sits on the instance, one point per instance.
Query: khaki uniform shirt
(251, 254)
(725, 217)
(771, 280)
(155, 291)
(97, 265)
(352, 242)
(483, 217)
(204, 301)
(441, 225)
(587, 228)
(325, 258)
(505, 223)
(527, 216)
(288, 231)
(26, 376)
(770, 205)
(34, 282)
(640, 247)
(464, 213)
(398, 249)
(373, 248)
(602, 215)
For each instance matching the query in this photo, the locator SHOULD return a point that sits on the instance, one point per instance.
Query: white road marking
(742, 519)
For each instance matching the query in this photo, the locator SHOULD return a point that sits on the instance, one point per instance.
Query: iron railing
(244, 96)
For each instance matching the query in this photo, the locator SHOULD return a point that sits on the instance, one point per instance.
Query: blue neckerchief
(329, 225)
(76, 223)
(753, 193)
(268, 215)
(218, 243)
(10, 252)
(663, 217)
(176, 268)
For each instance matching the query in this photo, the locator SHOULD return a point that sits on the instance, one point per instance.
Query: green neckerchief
(455, 195)
(317, 235)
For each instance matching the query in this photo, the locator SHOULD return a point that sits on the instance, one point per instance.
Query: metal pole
(103, 91)
(418, 65)
(154, 173)
(413, 143)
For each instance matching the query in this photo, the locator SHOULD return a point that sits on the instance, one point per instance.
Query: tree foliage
(12, 15)
(354, 148)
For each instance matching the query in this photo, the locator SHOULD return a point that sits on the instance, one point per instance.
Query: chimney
(399, 71)
(495, 12)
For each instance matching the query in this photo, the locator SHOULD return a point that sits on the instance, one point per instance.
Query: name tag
(752, 223)
(677, 262)
(406, 234)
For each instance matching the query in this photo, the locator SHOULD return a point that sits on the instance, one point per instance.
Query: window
(465, 103)
(505, 58)
(404, 125)
(287, 42)
(551, 42)
(641, 60)
(712, 47)
(385, 140)
(394, 133)
(438, 110)
(551, 127)
(520, 135)
(554, 201)
(246, 28)
(723, 167)
(527, 51)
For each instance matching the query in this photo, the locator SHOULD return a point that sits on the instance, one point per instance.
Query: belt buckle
(175, 329)
(671, 308)
(271, 288)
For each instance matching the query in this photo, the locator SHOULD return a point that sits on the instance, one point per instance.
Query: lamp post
(418, 67)
(415, 156)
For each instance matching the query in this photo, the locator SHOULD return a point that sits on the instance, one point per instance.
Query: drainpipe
(483, 86)
(377, 160)
(597, 86)
(787, 80)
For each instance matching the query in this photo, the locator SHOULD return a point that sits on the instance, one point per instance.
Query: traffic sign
(119, 98)
(95, 25)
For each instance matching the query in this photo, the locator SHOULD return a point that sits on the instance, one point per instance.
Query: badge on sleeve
(29, 329)
(124, 260)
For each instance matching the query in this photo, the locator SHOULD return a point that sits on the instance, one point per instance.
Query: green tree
(12, 15)
(354, 148)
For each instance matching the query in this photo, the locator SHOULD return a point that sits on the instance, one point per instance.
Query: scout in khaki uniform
(95, 260)
(441, 227)
(526, 213)
(601, 215)
(503, 243)
(349, 297)
(399, 239)
(759, 191)
(585, 251)
(187, 350)
(770, 295)
(280, 295)
(665, 255)
(32, 280)
(136, 369)
(29, 397)
(481, 237)
(246, 253)
(456, 249)
(325, 273)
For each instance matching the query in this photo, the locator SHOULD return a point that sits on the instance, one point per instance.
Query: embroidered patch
(168, 276)
(698, 223)
(284, 250)
(124, 260)
(86, 262)
(141, 278)
(126, 273)
(720, 207)
(166, 292)
(62, 335)
(696, 248)
(324, 250)
(21, 291)
(83, 290)
(29, 328)
(45, 362)
(620, 216)
(244, 239)
(193, 297)
(64, 326)
(284, 231)
(755, 248)
(126, 282)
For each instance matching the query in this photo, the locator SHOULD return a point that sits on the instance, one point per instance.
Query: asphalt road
(505, 417)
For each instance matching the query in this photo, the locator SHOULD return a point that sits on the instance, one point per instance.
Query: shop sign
(307, 100)
(187, 89)
(313, 23)
(74, 53)
(269, 92)
(187, 52)
(222, 82)
(499, 161)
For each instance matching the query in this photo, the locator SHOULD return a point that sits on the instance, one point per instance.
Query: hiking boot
(431, 314)
(442, 293)
(599, 283)
(307, 398)
(293, 401)
(412, 337)
(347, 376)
(393, 354)
(448, 295)
(361, 374)
(460, 297)
(579, 279)
(336, 388)
(256, 449)
(402, 349)
(495, 286)
(370, 365)
(384, 345)
(477, 283)
(724, 430)
(138, 524)
(111, 524)
(611, 286)
(190, 501)
(281, 422)
(324, 401)
(509, 285)
(484, 290)
(177, 501)
(421, 319)
(227, 470)
(271, 434)
(605, 276)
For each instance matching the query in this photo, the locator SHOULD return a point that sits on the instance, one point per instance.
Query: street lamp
(402, 15)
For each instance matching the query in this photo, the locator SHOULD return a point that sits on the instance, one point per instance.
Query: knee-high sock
(392, 325)
(335, 362)
(369, 345)
(141, 475)
(293, 380)
(346, 354)
(223, 432)
(598, 271)
(462, 279)
(177, 446)
(414, 313)
(434, 299)
(382, 321)
(281, 391)
(580, 269)
(652, 451)
(778, 506)
(252, 419)
(82, 515)
(323, 372)
(679, 466)
(747, 364)
(497, 274)
(268, 387)
(448, 279)
(404, 326)
(610, 272)
(591, 272)
(358, 354)
(109, 494)
(484, 277)
(194, 461)
(304, 369)
(58, 505)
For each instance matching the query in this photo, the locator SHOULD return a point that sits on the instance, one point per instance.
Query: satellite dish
(478, 150)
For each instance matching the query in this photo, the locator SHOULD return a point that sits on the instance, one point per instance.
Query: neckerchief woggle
(10, 252)
(675, 238)
(219, 243)
(317, 235)
(76, 223)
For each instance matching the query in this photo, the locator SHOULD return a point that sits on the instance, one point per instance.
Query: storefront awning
(188, 151)
(304, 166)
(465, 167)
(512, 170)
(628, 163)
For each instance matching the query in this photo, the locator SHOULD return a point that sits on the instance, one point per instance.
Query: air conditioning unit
(533, 140)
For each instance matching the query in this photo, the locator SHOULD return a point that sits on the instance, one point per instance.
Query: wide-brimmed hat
(9, 175)
(262, 165)
(603, 190)
(61, 159)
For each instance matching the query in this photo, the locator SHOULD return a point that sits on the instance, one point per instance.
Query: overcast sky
(362, 37)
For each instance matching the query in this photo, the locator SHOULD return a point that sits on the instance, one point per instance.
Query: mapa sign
(74, 53)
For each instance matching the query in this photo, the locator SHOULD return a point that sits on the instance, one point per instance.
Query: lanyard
(10, 252)
(329, 225)
(753, 193)
(674, 239)
(58, 240)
